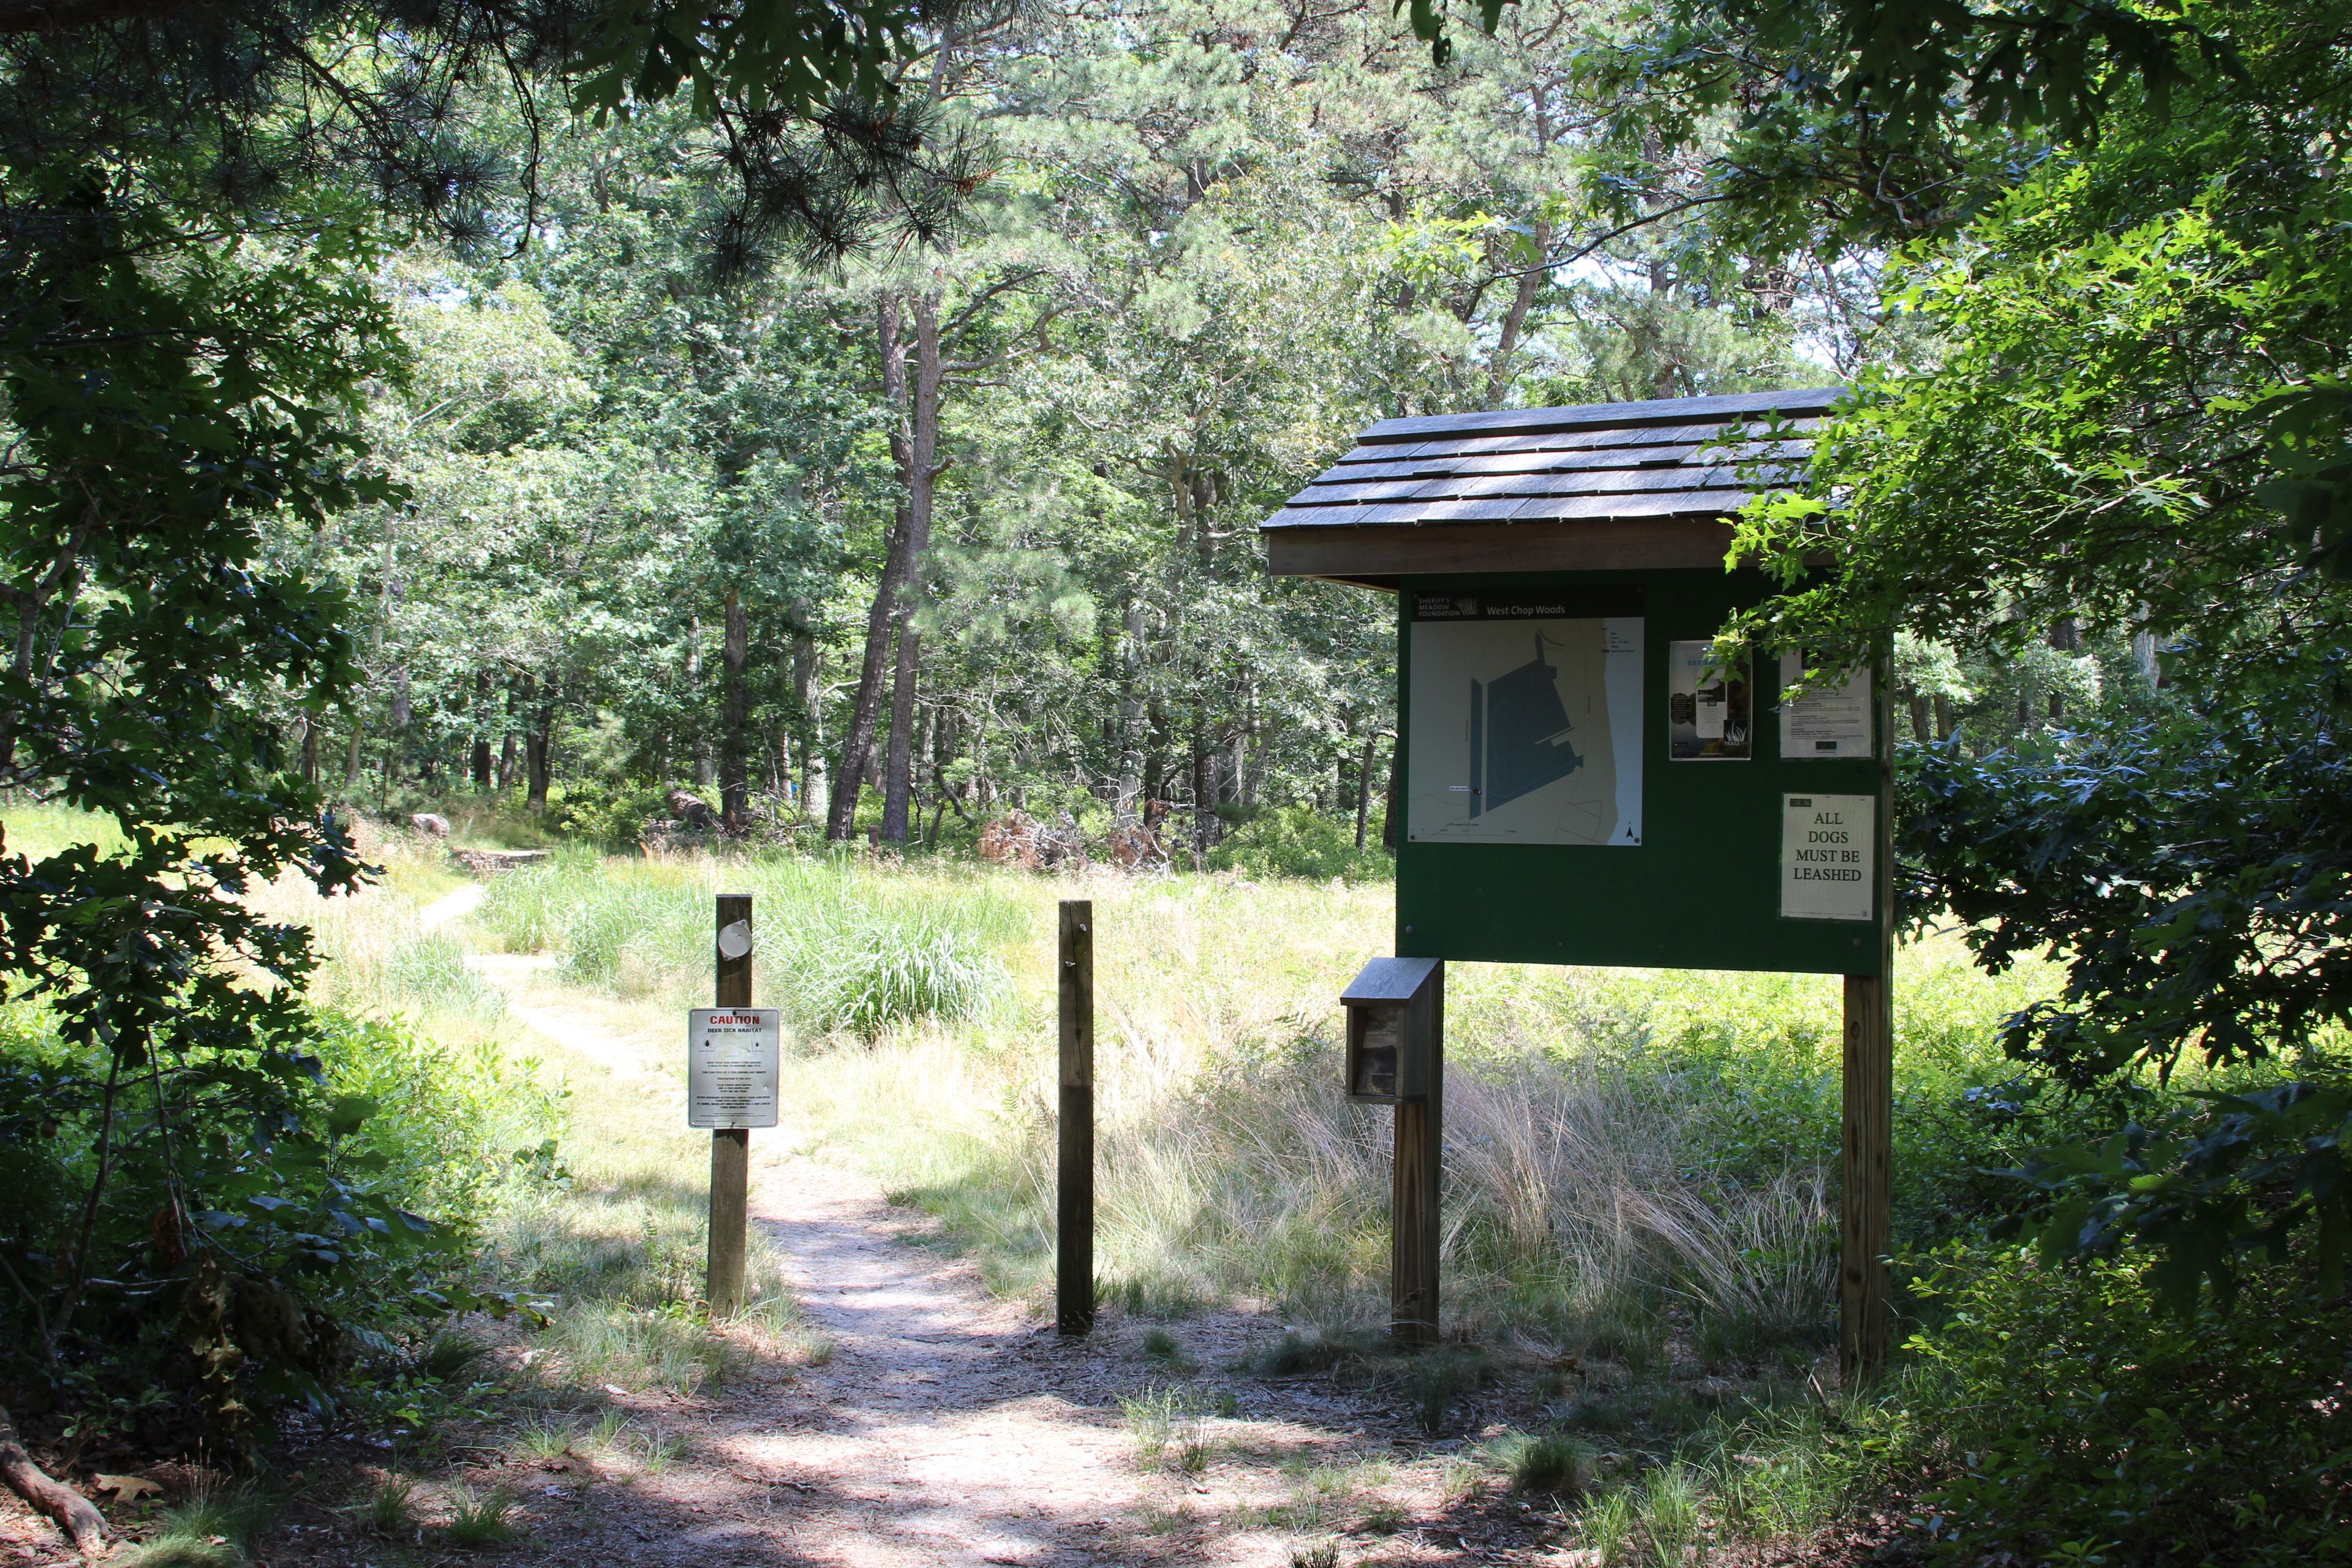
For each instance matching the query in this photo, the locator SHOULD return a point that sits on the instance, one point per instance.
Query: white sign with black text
(1826, 856)
(1830, 720)
(734, 1061)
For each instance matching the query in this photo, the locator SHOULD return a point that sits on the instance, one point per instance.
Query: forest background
(973, 525)
(563, 405)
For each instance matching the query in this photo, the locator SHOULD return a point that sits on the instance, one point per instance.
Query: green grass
(480, 1518)
(1169, 1426)
(1548, 1462)
(1627, 1149)
(216, 1528)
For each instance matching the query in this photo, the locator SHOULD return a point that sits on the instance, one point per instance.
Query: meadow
(1630, 1153)
(1640, 1189)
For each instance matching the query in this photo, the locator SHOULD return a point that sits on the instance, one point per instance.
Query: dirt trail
(945, 1427)
(949, 1427)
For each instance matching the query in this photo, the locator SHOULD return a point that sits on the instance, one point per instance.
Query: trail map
(1526, 724)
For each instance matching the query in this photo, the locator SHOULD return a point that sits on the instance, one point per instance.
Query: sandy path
(945, 1428)
(949, 1430)
(949, 1427)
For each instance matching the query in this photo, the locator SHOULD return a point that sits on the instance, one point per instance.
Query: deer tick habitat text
(1826, 856)
(733, 1060)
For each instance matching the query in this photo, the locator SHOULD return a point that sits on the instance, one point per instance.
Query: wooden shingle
(1609, 485)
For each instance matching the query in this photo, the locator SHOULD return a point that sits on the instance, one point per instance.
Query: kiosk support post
(1865, 1310)
(730, 1147)
(1413, 1194)
(1073, 1217)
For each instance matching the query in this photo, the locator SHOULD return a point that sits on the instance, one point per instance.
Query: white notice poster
(734, 1056)
(1831, 721)
(1826, 853)
(1527, 720)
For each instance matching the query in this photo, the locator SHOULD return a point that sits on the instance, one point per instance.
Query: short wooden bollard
(730, 1147)
(1073, 1217)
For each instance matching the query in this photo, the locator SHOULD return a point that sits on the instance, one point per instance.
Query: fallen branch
(71, 1510)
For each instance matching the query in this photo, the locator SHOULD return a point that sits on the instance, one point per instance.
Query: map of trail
(1525, 730)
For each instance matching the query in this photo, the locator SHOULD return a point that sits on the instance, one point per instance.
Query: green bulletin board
(1557, 823)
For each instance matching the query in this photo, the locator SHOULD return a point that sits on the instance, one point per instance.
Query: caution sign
(734, 1057)
(1827, 846)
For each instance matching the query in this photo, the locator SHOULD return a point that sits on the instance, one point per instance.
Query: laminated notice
(1828, 846)
(734, 1057)
(1831, 721)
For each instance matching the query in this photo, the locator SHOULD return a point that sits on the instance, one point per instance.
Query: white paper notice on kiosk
(734, 1057)
(1827, 850)
(1831, 721)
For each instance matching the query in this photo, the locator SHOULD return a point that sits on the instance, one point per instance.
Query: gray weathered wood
(1074, 1230)
(1617, 415)
(730, 1148)
(1413, 1199)
(1379, 556)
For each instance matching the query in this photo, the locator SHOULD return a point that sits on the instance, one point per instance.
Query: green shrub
(1546, 1462)
(2082, 1420)
(839, 951)
(247, 1241)
(879, 973)
(1299, 841)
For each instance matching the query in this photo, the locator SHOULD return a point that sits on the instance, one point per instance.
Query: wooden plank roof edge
(1592, 416)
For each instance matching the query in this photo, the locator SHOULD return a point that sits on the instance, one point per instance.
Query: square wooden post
(1413, 1196)
(730, 1147)
(1074, 1206)
(1865, 1286)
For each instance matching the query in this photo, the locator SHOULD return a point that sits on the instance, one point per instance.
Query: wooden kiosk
(1579, 782)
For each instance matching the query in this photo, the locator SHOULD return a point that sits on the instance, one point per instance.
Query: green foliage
(2077, 1408)
(2191, 875)
(480, 1518)
(838, 951)
(252, 1241)
(1299, 841)
(1546, 1462)
(390, 1510)
(218, 1527)
(1435, 1381)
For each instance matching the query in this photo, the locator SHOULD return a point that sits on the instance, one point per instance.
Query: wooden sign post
(1866, 1307)
(730, 1147)
(1396, 1055)
(1074, 1217)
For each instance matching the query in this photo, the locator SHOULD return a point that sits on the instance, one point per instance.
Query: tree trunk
(810, 714)
(1204, 793)
(881, 619)
(1126, 806)
(1364, 787)
(311, 751)
(538, 747)
(920, 470)
(698, 744)
(734, 787)
(69, 1509)
(1388, 826)
(1515, 318)
(481, 757)
(898, 775)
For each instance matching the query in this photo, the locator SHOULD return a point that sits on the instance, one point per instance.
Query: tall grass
(841, 949)
(1628, 1154)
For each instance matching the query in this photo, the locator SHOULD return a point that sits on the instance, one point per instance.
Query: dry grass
(1630, 1154)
